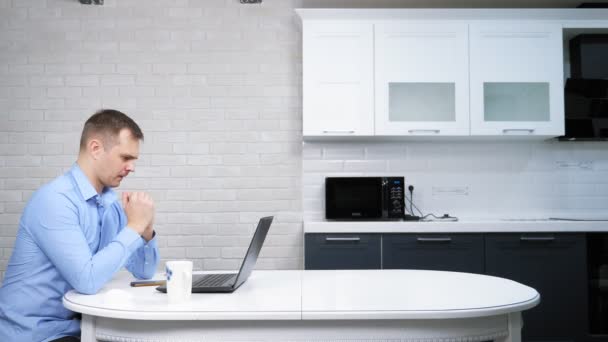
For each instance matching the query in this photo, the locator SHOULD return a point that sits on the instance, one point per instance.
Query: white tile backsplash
(472, 179)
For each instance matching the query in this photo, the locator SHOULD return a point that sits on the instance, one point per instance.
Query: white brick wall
(215, 86)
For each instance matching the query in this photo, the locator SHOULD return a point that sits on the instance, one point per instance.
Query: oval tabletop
(265, 295)
(410, 294)
(341, 294)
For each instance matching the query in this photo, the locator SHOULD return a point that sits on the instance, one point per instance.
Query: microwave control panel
(395, 188)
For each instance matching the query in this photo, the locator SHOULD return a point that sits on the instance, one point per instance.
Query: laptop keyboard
(213, 280)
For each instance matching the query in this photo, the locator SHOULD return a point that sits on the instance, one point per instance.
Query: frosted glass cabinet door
(421, 78)
(338, 78)
(516, 79)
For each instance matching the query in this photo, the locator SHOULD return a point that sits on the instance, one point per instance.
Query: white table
(363, 305)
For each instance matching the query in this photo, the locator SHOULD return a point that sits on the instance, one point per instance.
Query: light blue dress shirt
(69, 237)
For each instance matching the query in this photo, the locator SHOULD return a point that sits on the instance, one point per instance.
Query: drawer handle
(537, 238)
(440, 239)
(338, 132)
(507, 130)
(342, 239)
(436, 131)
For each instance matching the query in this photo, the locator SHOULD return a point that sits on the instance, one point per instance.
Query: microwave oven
(364, 198)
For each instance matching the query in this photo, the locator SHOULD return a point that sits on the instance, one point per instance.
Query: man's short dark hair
(108, 123)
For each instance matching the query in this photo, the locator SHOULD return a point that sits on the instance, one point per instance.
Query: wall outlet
(574, 165)
(450, 191)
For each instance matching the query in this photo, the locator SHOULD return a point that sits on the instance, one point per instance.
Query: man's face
(117, 162)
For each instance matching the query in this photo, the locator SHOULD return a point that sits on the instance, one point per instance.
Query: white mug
(179, 280)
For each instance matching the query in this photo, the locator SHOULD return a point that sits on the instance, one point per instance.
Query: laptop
(228, 282)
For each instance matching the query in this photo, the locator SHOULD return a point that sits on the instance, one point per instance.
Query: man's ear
(95, 147)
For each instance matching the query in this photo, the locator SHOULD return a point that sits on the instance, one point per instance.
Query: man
(74, 233)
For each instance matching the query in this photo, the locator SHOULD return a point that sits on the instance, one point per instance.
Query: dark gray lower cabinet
(342, 251)
(553, 264)
(444, 252)
(597, 275)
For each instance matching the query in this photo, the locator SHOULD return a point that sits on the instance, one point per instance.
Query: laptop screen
(254, 250)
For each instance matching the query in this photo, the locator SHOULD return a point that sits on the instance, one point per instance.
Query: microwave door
(354, 198)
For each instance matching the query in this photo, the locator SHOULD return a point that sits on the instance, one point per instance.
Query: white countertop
(468, 226)
(319, 295)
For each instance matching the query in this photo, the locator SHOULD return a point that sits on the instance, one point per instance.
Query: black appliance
(586, 92)
(586, 109)
(364, 198)
(589, 56)
(593, 5)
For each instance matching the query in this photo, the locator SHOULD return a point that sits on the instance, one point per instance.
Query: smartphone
(148, 283)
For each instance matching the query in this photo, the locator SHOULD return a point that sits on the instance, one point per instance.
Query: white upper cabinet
(437, 72)
(338, 78)
(516, 79)
(421, 78)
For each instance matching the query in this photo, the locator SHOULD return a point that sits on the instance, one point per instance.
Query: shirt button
(146, 262)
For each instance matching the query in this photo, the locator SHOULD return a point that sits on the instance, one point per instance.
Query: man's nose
(131, 167)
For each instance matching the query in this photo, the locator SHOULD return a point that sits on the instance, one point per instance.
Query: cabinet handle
(339, 132)
(342, 239)
(439, 239)
(537, 238)
(507, 130)
(499, 34)
(436, 131)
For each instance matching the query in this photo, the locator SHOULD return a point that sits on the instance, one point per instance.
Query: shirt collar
(108, 196)
(84, 185)
(87, 189)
